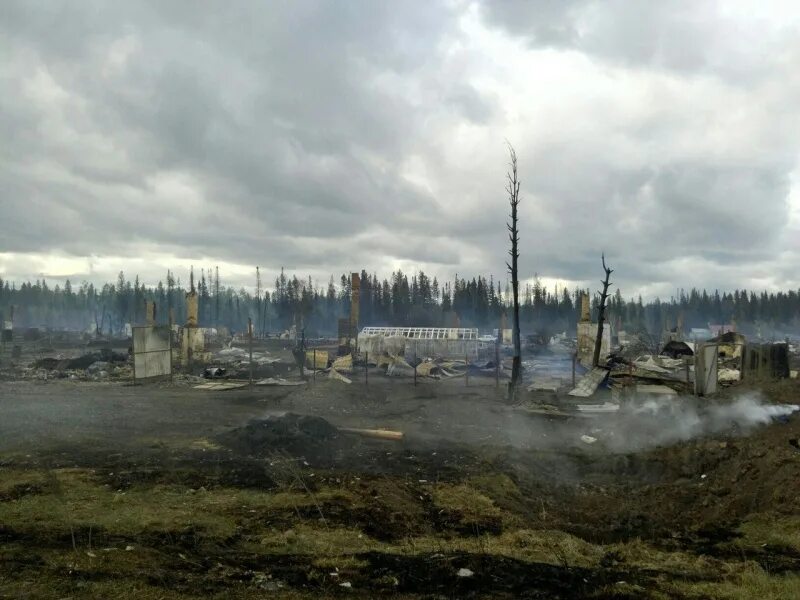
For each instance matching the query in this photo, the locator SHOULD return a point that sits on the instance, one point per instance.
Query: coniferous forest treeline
(401, 300)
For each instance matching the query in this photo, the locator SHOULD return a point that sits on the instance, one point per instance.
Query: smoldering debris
(745, 412)
(651, 422)
(298, 435)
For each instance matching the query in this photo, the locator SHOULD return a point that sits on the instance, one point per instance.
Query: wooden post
(250, 344)
(170, 353)
(314, 364)
(497, 363)
(171, 366)
(366, 368)
(415, 366)
(466, 369)
(742, 362)
(303, 351)
(574, 360)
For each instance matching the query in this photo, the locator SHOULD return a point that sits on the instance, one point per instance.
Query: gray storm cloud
(328, 136)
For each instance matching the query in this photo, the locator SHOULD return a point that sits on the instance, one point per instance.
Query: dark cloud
(701, 36)
(326, 136)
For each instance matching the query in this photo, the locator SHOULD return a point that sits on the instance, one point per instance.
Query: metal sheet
(221, 386)
(150, 339)
(589, 383)
(705, 369)
(153, 364)
(151, 352)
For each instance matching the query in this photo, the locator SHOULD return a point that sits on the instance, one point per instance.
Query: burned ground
(110, 490)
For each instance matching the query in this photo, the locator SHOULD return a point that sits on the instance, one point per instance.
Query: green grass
(45, 508)
(774, 530)
(748, 583)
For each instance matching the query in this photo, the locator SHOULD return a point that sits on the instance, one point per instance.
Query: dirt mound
(322, 445)
(694, 493)
(48, 363)
(303, 436)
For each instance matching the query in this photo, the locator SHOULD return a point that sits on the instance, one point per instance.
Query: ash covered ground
(168, 492)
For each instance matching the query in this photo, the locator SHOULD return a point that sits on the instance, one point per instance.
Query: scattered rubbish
(278, 381)
(606, 407)
(232, 353)
(549, 411)
(265, 582)
(655, 390)
(334, 374)
(661, 365)
(464, 572)
(343, 364)
(82, 362)
(677, 348)
(726, 375)
(215, 372)
(587, 439)
(589, 383)
(97, 366)
(346, 585)
(398, 367)
(221, 385)
(544, 385)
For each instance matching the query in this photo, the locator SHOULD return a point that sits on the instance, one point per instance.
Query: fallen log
(381, 434)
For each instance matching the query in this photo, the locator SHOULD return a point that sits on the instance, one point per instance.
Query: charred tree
(601, 313)
(512, 188)
(98, 325)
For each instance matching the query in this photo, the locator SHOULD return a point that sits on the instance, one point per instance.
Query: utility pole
(258, 294)
(216, 298)
(250, 346)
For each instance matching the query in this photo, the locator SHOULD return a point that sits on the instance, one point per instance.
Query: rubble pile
(234, 361)
(92, 366)
(300, 436)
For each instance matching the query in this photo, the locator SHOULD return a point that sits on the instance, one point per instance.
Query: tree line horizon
(399, 300)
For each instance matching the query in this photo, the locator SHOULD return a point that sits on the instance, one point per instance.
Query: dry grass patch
(15, 483)
(751, 581)
(774, 530)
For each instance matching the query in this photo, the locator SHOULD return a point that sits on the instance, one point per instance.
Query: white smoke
(651, 422)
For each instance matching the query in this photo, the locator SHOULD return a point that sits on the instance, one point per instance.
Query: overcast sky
(332, 136)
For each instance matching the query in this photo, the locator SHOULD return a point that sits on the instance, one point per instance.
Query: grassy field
(68, 532)
(182, 516)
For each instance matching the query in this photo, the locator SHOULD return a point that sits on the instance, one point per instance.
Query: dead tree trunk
(601, 314)
(513, 235)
